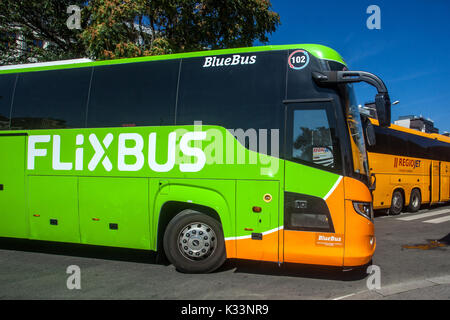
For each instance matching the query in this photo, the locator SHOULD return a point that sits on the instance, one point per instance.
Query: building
(16, 40)
(368, 110)
(417, 123)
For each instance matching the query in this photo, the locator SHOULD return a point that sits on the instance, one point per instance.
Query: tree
(131, 28)
(116, 29)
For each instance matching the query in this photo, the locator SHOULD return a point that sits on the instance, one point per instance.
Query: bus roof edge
(319, 51)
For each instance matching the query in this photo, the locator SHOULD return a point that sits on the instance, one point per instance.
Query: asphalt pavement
(412, 254)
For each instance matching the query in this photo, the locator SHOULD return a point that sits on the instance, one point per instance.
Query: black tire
(396, 203)
(184, 239)
(415, 201)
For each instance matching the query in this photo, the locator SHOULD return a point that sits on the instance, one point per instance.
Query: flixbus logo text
(129, 145)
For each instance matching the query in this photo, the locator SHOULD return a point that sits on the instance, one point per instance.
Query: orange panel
(360, 239)
(230, 247)
(435, 189)
(306, 247)
(356, 190)
(251, 249)
(359, 231)
(445, 181)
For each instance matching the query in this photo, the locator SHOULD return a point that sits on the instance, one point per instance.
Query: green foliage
(111, 32)
(130, 28)
(192, 25)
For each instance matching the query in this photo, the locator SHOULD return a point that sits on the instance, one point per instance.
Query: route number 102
(298, 59)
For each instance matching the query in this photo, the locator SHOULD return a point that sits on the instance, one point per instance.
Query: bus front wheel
(194, 242)
(415, 201)
(396, 203)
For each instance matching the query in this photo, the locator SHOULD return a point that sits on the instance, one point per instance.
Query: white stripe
(439, 220)
(346, 296)
(440, 280)
(45, 64)
(334, 187)
(249, 236)
(424, 215)
(273, 230)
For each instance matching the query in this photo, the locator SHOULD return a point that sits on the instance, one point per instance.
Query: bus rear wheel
(415, 201)
(396, 203)
(194, 242)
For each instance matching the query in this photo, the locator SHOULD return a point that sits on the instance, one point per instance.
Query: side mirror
(382, 101)
(383, 108)
(369, 132)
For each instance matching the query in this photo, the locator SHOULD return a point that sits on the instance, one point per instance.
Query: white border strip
(249, 236)
(333, 188)
(45, 64)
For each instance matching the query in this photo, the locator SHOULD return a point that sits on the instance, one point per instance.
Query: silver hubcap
(397, 202)
(415, 201)
(197, 241)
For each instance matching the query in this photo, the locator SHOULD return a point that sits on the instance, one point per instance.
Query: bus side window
(243, 96)
(311, 141)
(51, 99)
(133, 94)
(7, 83)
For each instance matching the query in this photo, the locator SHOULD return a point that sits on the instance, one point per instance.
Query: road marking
(398, 288)
(343, 297)
(438, 220)
(440, 280)
(424, 215)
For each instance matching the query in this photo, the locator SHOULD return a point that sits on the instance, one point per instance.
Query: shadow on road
(80, 250)
(295, 270)
(150, 257)
(445, 240)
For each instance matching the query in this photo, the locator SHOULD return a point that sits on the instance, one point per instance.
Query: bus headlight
(364, 208)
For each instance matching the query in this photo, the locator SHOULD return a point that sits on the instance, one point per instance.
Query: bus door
(435, 182)
(13, 216)
(445, 181)
(313, 192)
(257, 207)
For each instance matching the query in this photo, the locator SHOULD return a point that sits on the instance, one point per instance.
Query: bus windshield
(359, 154)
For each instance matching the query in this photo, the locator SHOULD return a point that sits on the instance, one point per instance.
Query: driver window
(312, 141)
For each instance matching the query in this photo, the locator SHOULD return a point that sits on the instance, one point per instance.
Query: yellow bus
(410, 168)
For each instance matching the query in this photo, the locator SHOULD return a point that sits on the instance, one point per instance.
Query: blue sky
(411, 51)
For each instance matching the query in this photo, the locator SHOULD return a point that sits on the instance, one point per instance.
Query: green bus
(251, 153)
